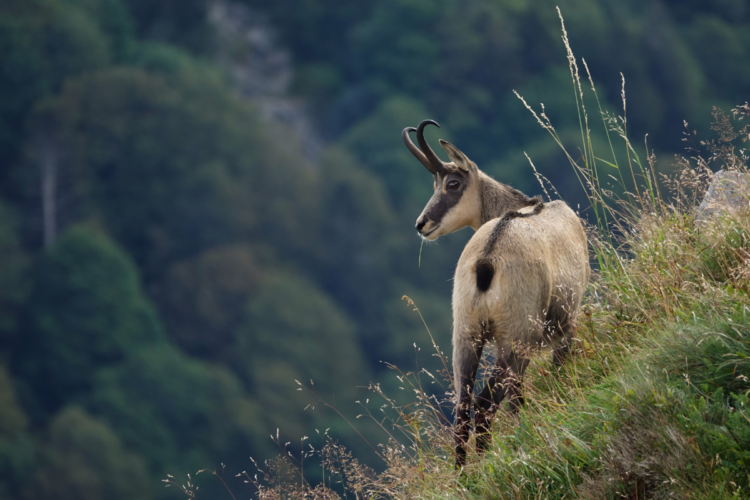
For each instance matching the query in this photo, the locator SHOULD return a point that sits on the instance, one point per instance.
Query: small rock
(728, 192)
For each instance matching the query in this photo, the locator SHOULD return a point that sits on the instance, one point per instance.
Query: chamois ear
(458, 158)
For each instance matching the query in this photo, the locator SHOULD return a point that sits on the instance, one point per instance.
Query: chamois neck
(497, 199)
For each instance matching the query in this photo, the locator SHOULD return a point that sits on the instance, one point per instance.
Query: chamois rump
(518, 283)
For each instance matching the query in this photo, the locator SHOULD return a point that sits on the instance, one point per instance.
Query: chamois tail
(485, 272)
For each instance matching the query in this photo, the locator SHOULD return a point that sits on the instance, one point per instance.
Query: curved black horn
(415, 150)
(436, 162)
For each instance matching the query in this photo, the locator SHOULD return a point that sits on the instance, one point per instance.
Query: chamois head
(456, 202)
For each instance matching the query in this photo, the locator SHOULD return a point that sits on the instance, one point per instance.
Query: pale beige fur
(539, 269)
(540, 262)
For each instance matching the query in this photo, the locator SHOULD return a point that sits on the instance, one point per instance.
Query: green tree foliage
(86, 311)
(203, 299)
(355, 244)
(718, 43)
(178, 413)
(114, 20)
(13, 278)
(12, 417)
(43, 42)
(17, 453)
(407, 183)
(190, 160)
(461, 59)
(183, 22)
(83, 459)
(305, 20)
(169, 61)
(293, 331)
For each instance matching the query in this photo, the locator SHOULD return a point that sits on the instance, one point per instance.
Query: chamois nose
(420, 224)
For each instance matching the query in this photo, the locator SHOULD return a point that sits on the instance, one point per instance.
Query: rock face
(728, 192)
(261, 69)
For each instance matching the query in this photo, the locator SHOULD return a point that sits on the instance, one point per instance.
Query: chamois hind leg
(467, 351)
(513, 382)
(505, 380)
(487, 402)
(561, 323)
(561, 352)
(560, 328)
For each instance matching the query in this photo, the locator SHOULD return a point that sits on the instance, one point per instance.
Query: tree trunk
(48, 164)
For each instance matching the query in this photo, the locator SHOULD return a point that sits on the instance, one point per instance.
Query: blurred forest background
(204, 200)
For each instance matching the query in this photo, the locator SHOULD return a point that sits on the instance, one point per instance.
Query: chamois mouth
(425, 235)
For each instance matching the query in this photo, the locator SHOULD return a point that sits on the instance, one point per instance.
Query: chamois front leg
(467, 351)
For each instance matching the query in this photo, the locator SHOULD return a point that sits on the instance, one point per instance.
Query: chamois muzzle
(424, 153)
(426, 227)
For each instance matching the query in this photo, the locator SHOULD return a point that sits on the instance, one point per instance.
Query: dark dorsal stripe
(484, 268)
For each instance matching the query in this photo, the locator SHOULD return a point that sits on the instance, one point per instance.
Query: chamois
(518, 283)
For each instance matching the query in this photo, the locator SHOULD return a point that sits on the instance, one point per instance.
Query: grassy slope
(655, 404)
(654, 401)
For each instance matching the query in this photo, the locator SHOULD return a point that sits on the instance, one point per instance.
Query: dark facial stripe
(442, 206)
(443, 201)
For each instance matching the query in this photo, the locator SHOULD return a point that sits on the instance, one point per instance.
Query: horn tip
(424, 123)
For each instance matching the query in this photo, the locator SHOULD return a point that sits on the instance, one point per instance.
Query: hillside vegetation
(654, 402)
(198, 208)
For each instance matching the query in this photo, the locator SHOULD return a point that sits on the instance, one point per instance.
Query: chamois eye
(453, 185)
